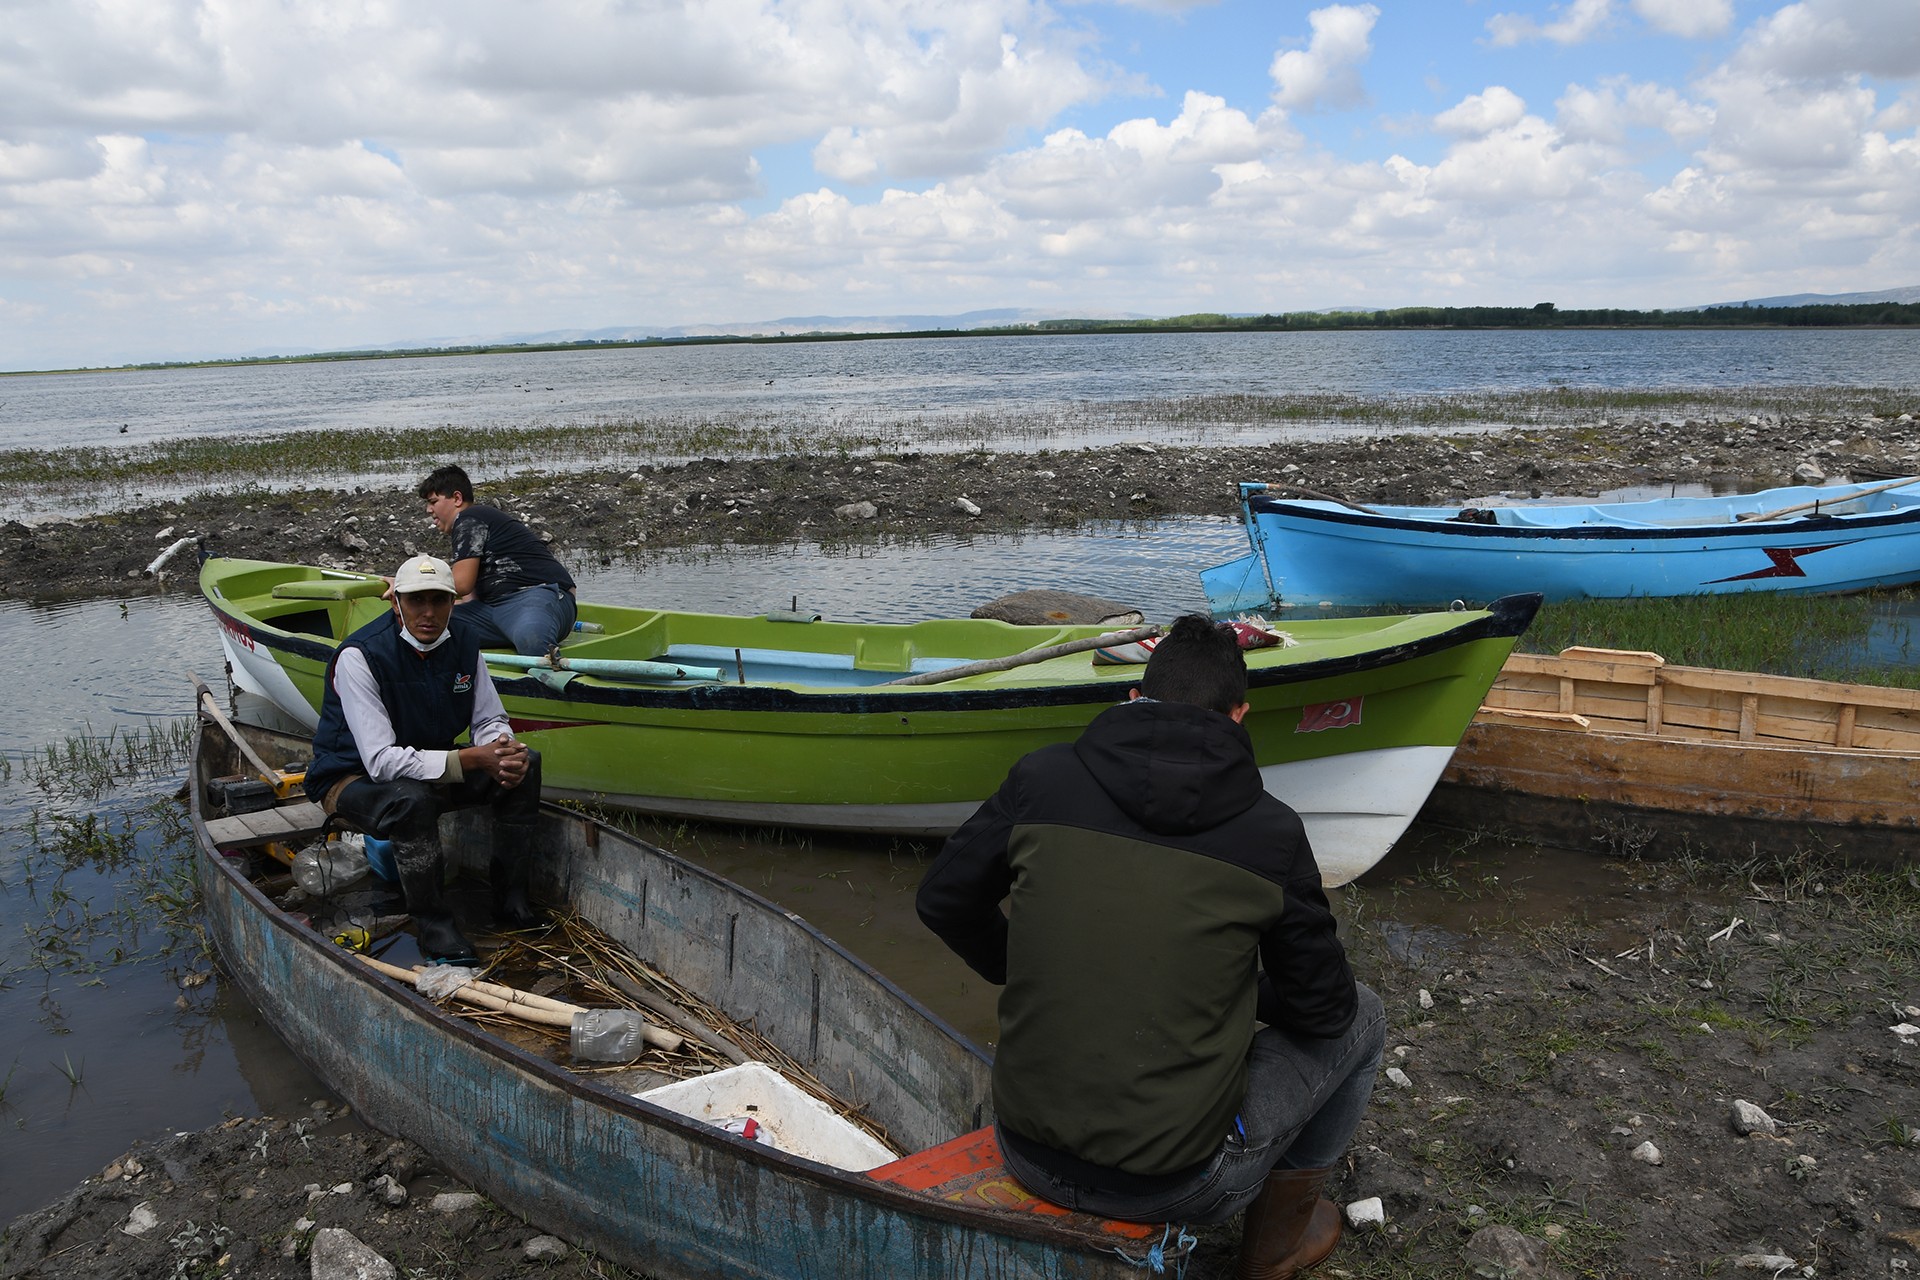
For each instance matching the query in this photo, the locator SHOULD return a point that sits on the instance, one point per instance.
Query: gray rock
(1773, 1263)
(857, 511)
(1500, 1252)
(339, 1255)
(1647, 1153)
(387, 1190)
(455, 1201)
(544, 1249)
(142, 1220)
(1367, 1215)
(1061, 608)
(966, 506)
(1750, 1119)
(1808, 473)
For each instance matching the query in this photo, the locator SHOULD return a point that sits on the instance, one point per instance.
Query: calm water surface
(900, 380)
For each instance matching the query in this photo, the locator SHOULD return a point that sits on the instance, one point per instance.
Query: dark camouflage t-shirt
(511, 556)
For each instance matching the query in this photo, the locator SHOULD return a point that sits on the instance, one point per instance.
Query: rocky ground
(838, 500)
(1711, 1072)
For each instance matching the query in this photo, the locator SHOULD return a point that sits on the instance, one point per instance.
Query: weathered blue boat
(637, 1181)
(1803, 540)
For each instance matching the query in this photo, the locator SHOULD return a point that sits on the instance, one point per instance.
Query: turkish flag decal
(1330, 715)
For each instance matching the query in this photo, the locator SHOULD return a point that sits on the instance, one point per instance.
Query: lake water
(861, 383)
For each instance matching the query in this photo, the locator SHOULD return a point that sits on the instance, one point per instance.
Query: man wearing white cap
(399, 692)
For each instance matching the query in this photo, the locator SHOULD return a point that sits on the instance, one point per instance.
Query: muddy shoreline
(1561, 1098)
(602, 516)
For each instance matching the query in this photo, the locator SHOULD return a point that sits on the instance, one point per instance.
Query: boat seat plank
(329, 589)
(287, 822)
(970, 1171)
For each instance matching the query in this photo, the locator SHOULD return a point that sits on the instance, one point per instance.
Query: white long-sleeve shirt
(385, 759)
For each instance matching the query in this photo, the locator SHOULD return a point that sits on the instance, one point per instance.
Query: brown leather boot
(1290, 1226)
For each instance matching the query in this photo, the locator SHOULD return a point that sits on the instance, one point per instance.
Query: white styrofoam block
(797, 1122)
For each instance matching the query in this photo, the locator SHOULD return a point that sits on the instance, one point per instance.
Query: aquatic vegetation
(82, 766)
(112, 886)
(1821, 637)
(228, 463)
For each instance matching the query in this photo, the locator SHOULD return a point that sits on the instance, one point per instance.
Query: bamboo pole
(1819, 502)
(523, 1005)
(1026, 657)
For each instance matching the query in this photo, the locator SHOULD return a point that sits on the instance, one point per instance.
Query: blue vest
(428, 697)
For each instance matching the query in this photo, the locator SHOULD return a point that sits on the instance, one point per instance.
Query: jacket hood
(1171, 767)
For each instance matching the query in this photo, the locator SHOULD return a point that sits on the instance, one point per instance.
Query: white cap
(423, 573)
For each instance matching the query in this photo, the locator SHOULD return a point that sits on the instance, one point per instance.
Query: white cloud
(1495, 108)
(1580, 20)
(1688, 19)
(1836, 37)
(1327, 72)
(1609, 111)
(1139, 165)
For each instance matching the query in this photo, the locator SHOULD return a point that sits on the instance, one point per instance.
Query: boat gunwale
(1876, 522)
(1509, 615)
(338, 962)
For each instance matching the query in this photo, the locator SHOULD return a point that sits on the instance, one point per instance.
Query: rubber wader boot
(421, 870)
(1290, 1226)
(511, 869)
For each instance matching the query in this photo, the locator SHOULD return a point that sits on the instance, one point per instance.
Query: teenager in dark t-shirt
(513, 592)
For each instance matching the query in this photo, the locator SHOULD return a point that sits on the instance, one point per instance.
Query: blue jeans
(531, 621)
(1305, 1097)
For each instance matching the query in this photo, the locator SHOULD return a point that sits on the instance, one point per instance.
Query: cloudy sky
(189, 180)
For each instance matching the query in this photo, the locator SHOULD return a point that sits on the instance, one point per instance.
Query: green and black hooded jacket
(1148, 878)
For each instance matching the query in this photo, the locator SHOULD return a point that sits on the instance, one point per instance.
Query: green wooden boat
(798, 722)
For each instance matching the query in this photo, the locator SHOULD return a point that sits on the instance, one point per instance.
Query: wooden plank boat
(1313, 551)
(648, 1181)
(1622, 750)
(1352, 725)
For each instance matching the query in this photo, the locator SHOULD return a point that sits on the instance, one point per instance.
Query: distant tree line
(1543, 315)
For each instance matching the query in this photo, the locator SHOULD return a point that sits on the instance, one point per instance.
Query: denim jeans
(1305, 1097)
(532, 620)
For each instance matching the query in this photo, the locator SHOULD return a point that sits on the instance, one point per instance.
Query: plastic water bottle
(589, 627)
(330, 866)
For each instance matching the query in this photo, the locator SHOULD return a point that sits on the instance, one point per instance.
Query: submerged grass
(1820, 637)
(614, 442)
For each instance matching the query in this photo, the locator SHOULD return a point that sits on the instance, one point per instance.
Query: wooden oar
(1027, 656)
(1818, 502)
(212, 710)
(1318, 496)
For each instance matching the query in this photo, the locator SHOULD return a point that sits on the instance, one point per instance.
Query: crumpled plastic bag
(436, 982)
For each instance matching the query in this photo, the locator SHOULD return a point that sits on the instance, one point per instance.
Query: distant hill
(1911, 293)
(787, 326)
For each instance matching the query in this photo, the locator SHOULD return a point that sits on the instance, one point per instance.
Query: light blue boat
(1802, 540)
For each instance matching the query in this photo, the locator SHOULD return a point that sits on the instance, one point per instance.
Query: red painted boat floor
(969, 1171)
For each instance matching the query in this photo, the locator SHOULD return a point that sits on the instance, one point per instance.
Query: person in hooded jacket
(1161, 906)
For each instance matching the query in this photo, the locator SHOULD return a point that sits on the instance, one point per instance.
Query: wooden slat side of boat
(1739, 761)
(1697, 702)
